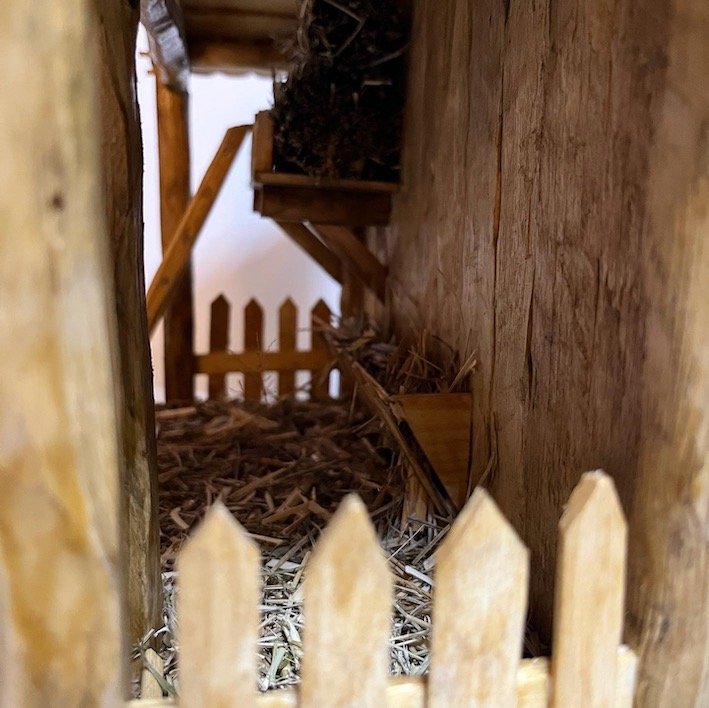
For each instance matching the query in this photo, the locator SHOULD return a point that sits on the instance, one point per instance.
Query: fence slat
(287, 324)
(588, 605)
(320, 378)
(253, 341)
(220, 313)
(149, 684)
(478, 610)
(348, 595)
(218, 572)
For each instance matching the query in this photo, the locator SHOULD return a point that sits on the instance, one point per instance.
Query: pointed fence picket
(479, 612)
(258, 359)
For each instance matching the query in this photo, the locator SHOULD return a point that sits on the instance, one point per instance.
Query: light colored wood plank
(149, 685)
(533, 683)
(288, 326)
(355, 256)
(253, 342)
(218, 571)
(175, 191)
(219, 321)
(441, 424)
(259, 362)
(326, 205)
(348, 596)
(479, 610)
(315, 248)
(61, 559)
(626, 678)
(177, 256)
(320, 317)
(589, 601)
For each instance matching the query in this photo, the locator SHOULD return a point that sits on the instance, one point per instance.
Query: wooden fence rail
(257, 358)
(479, 612)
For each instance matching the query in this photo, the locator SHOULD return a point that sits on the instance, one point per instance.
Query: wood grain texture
(347, 607)
(60, 558)
(551, 219)
(122, 175)
(219, 320)
(479, 610)
(177, 257)
(590, 594)
(175, 191)
(217, 605)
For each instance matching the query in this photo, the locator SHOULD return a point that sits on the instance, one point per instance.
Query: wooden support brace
(355, 256)
(175, 260)
(315, 248)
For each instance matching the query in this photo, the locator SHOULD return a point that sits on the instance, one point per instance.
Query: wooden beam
(235, 57)
(315, 248)
(355, 256)
(254, 362)
(177, 257)
(61, 558)
(164, 23)
(174, 154)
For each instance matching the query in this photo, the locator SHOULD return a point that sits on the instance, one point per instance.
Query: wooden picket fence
(258, 358)
(479, 612)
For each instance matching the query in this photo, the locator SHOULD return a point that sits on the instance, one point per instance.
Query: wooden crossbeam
(315, 248)
(355, 256)
(255, 362)
(177, 256)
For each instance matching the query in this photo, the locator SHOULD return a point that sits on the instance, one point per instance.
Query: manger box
(296, 197)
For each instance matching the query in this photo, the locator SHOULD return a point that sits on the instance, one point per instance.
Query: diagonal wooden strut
(177, 256)
(314, 247)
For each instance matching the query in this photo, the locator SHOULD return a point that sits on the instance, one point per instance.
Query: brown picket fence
(479, 613)
(258, 358)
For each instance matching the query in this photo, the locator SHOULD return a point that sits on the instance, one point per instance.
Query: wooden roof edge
(164, 22)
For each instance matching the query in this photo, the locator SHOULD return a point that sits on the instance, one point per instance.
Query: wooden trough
(291, 197)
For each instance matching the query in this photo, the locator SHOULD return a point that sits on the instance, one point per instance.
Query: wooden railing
(259, 357)
(479, 613)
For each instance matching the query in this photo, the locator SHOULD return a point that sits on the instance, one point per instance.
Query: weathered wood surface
(164, 23)
(60, 638)
(175, 260)
(217, 605)
(174, 163)
(550, 218)
(122, 175)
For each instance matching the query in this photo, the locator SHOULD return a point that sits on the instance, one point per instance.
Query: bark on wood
(174, 152)
(122, 194)
(59, 470)
(551, 219)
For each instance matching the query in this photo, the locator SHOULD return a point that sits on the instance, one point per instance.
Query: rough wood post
(122, 175)
(220, 313)
(59, 474)
(174, 152)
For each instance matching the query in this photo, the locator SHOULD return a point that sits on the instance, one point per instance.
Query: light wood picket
(478, 616)
(479, 609)
(218, 572)
(589, 596)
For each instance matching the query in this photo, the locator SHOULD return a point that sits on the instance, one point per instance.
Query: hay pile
(282, 470)
(339, 112)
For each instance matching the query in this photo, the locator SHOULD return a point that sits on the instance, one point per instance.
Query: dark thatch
(339, 113)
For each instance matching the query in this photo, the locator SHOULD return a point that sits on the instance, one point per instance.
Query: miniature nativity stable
(546, 239)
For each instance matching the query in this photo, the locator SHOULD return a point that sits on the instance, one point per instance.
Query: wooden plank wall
(60, 638)
(538, 138)
(122, 175)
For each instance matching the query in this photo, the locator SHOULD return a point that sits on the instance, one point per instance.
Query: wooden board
(441, 424)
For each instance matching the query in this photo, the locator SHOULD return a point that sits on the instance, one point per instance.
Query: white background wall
(239, 253)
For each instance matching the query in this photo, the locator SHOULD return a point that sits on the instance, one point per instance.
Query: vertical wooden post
(174, 149)
(253, 342)
(320, 378)
(288, 324)
(59, 473)
(220, 313)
